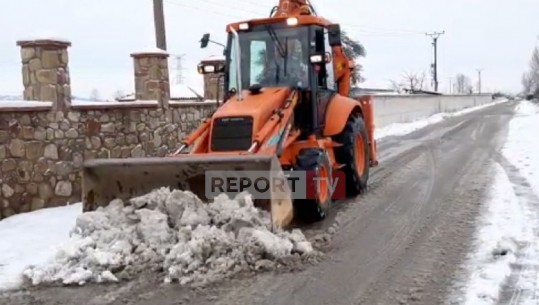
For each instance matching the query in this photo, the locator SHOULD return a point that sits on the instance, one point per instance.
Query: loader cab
(286, 54)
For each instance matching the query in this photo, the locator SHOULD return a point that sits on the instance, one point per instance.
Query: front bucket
(104, 180)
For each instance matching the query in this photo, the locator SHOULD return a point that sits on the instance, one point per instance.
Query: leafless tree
(94, 95)
(414, 81)
(530, 79)
(463, 84)
(395, 86)
(118, 94)
(527, 83)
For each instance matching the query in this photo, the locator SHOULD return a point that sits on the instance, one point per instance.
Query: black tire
(356, 182)
(312, 210)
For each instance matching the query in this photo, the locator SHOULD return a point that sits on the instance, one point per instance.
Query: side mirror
(210, 68)
(205, 40)
(334, 35)
(320, 58)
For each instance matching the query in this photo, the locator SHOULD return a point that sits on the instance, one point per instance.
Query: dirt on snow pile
(173, 231)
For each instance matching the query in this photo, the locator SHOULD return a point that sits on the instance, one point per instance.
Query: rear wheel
(316, 163)
(354, 154)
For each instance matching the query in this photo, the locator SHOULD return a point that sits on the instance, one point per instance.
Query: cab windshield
(270, 57)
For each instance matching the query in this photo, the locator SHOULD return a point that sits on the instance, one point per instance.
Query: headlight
(292, 21)
(244, 26)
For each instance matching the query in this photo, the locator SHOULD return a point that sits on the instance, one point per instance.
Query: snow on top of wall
(45, 35)
(24, 104)
(111, 103)
(151, 50)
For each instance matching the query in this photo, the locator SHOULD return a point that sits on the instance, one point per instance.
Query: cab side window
(326, 76)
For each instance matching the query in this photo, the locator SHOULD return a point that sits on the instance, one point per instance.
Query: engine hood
(259, 106)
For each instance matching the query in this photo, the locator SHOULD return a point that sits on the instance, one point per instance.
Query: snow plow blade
(104, 180)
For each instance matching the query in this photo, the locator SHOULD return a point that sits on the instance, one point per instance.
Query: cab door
(324, 76)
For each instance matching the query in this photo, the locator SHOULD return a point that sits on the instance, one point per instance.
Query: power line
(220, 5)
(203, 10)
(361, 28)
(435, 36)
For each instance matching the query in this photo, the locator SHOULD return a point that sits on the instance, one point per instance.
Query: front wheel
(316, 164)
(354, 154)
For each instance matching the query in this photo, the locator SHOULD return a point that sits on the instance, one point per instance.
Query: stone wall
(45, 71)
(42, 151)
(45, 139)
(151, 76)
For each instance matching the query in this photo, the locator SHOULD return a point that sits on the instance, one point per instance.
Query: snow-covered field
(31, 238)
(173, 232)
(504, 264)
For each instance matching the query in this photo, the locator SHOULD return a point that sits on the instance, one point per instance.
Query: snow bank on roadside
(522, 146)
(173, 231)
(401, 129)
(502, 227)
(508, 232)
(23, 240)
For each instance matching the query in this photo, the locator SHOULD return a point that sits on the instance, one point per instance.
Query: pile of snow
(173, 231)
(401, 129)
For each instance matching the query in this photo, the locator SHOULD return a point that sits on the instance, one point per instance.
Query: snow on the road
(401, 129)
(31, 238)
(172, 231)
(506, 251)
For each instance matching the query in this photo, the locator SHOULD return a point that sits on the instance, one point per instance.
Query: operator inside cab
(286, 66)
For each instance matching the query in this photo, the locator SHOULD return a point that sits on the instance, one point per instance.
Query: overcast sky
(494, 35)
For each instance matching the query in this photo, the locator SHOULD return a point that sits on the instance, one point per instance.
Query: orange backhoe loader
(286, 108)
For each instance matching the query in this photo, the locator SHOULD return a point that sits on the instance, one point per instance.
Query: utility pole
(159, 21)
(479, 80)
(435, 36)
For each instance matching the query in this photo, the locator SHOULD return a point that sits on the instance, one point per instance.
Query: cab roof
(302, 20)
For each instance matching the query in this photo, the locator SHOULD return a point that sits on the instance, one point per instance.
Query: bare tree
(118, 94)
(527, 82)
(414, 81)
(395, 86)
(463, 84)
(94, 95)
(530, 79)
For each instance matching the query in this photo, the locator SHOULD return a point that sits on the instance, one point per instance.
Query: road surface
(400, 243)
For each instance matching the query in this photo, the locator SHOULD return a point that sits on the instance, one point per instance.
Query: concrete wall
(390, 109)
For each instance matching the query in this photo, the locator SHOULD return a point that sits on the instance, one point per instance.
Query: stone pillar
(151, 76)
(211, 81)
(45, 71)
